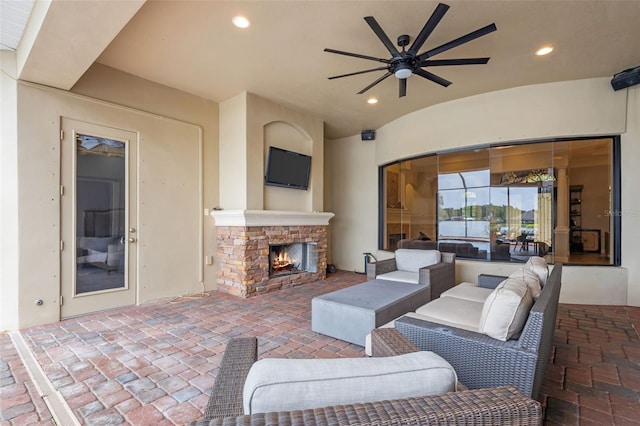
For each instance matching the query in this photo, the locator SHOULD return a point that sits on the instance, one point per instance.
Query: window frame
(616, 190)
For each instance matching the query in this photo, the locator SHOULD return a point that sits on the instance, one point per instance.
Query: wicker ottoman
(351, 313)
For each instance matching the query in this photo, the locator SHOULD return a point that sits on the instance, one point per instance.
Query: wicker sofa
(482, 361)
(495, 406)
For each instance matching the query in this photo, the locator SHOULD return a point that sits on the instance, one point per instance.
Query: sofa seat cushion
(294, 384)
(506, 309)
(400, 276)
(453, 312)
(413, 259)
(468, 291)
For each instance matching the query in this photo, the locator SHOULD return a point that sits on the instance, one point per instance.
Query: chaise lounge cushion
(293, 384)
(506, 310)
(412, 260)
(408, 264)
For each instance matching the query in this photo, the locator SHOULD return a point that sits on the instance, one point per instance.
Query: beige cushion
(413, 259)
(400, 276)
(506, 309)
(452, 312)
(468, 291)
(295, 384)
(539, 266)
(530, 278)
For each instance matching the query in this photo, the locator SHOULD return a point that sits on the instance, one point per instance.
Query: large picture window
(507, 203)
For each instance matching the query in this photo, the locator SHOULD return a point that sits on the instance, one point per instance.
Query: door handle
(132, 240)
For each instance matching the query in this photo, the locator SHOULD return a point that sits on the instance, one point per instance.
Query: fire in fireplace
(292, 258)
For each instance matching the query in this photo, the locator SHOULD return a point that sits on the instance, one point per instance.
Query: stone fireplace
(262, 250)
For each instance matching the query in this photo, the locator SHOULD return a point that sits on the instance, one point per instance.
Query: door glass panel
(100, 214)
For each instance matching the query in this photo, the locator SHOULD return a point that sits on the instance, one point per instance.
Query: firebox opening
(293, 258)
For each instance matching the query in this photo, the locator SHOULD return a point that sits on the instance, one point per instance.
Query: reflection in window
(506, 203)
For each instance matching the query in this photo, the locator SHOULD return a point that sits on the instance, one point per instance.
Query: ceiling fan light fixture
(372, 101)
(403, 73)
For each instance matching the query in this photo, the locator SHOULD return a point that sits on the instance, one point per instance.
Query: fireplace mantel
(270, 218)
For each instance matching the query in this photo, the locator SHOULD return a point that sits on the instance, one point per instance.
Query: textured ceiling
(192, 46)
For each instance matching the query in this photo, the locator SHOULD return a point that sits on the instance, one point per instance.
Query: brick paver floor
(156, 363)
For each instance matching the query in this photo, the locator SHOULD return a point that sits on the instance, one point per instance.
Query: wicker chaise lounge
(495, 406)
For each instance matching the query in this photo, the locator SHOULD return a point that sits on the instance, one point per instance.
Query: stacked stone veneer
(243, 257)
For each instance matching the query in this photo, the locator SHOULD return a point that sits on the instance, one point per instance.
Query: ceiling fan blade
(446, 62)
(429, 76)
(457, 42)
(403, 87)
(382, 36)
(358, 72)
(428, 28)
(374, 83)
(357, 55)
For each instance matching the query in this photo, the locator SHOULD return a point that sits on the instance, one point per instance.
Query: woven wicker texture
(390, 342)
(496, 406)
(481, 361)
(226, 395)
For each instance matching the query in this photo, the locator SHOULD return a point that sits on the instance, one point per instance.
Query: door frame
(73, 304)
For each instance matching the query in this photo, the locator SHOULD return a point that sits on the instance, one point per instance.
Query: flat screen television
(287, 169)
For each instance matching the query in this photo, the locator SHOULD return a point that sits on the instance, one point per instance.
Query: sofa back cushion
(506, 310)
(539, 266)
(412, 260)
(530, 279)
(294, 384)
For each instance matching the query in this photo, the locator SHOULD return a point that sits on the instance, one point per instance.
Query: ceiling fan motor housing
(403, 40)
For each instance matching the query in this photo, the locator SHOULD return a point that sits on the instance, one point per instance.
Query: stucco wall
(562, 109)
(245, 121)
(170, 237)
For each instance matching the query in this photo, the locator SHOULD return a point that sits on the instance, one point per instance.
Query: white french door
(98, 218)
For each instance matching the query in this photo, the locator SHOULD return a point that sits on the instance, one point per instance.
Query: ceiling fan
(403, 64)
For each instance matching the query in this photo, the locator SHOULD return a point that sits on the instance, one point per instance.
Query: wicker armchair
(440, 277)
(482, 361)
(504, 405)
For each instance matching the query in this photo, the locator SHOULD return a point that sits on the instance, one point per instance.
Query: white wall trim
(270, 218)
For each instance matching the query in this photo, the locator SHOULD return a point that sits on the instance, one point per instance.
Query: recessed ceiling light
(240, 21)
(544, 50)
(372, 101)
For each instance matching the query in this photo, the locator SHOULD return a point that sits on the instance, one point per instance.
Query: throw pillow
(506, 310)
(295, 384)
(540, 267)
(530, 279)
